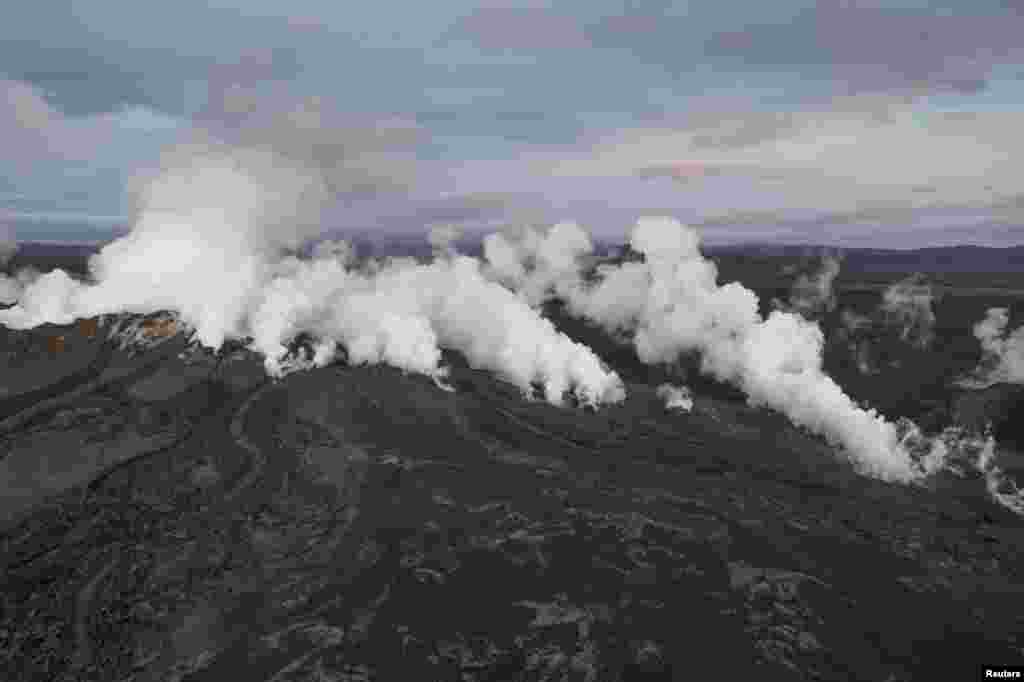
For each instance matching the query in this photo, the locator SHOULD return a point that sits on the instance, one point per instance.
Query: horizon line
(606, 242)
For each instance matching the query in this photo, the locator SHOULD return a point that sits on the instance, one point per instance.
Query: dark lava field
(171, 513)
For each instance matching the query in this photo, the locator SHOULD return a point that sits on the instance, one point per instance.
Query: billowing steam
(855, 331)
(905, 315)
(812, 294)
(535, 262)
(1003, 352)
(670, 303)
(211, 243)
(12, 287)
(10, 292)
(862, 357)
(402, 313)
(676, 397)
(908, 303)
(1000, 486)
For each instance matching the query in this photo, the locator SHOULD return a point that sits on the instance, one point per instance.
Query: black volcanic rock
(999, 407)
(180, 516)
(962, 258)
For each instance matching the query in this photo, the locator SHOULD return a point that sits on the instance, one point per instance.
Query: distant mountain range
(966, 258)
(950, 259)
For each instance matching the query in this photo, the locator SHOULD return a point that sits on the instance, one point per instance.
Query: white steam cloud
(1003, 351)
(906, 308)
(536, 262)
(402, 313)
(908, 303)
(1001, 487)
(813, 294)
(854, 330)
(676, 397)
(211, 243)
(13, 288)
(671, 303)
(10, 292)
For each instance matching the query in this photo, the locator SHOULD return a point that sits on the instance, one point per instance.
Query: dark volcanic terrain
(170, 513)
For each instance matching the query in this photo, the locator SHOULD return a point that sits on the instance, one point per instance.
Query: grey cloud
(81, 82)
(103, 58)
(33, 130)
(745, 132)
(881, 48)
(480, 82)
(346, 158)
(519, 28)
(24, 119)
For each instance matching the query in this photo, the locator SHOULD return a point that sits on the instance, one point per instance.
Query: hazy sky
(837, 121)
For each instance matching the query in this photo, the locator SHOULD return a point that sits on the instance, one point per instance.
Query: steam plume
(906, 309)
(675, 397)
(813, 294)
(908, 303)
(536, 262)
(1003, 351)
(211, 242)
(670, 303)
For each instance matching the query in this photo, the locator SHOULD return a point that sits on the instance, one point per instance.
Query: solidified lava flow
(173, 513)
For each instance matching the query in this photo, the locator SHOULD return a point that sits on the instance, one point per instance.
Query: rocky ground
(172, 514)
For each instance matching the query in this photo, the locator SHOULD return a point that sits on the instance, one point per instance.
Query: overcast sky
(836, 122)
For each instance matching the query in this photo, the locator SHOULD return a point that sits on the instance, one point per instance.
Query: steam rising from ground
(12, 288)
(1002, 489)
(908, 303)
(404, 312)
(536, 262)
(813, 294)
(670, 304)
(1003, 351)
(906, 309)
(676, 397)
(211, 241)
